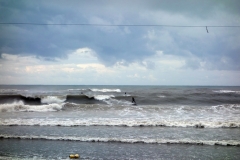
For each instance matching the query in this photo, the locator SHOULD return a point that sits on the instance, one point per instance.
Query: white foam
(21, 107)
(161, 96)
(103, 97)
(119, 102)
(52, 99)
(227, 108)
(128, 122)
(108, 99)
(227, 91)
(105, 90)
(11, 107)
(127, 140)
(76, 89)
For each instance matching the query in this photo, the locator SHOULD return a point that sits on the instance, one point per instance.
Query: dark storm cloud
(55, 41)
(118, 43)
(195, 8)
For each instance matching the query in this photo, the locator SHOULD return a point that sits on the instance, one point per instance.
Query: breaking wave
(117, 122)
(21, 107)
(76, 89)
(227, 91)
(103, 97)
(105, 90)
(127, 140)
(52, 99)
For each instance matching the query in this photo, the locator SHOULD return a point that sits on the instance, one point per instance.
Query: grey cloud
(211, 48)
(115, 44)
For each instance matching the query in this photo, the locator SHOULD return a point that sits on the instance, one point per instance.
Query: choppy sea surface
(102, 122)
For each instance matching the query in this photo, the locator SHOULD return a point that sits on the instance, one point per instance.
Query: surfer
(133, 101)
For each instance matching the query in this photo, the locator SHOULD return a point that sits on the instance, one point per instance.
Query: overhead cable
(109, 25)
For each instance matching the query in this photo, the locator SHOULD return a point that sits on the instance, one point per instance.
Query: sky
(120, 55)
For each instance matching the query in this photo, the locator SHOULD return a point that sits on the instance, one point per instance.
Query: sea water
(102, 122)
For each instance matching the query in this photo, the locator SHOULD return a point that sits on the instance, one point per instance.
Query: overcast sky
(120, 55)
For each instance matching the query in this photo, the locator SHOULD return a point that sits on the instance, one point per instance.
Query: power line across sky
(114, 25)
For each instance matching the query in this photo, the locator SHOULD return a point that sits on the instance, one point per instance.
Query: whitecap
(103, 97)
(105, 90)
(227, 91)
(128, 122)
(125, 140)
(21, 107)
(52, 99)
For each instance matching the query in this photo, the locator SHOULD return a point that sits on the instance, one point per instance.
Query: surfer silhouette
(133, 101)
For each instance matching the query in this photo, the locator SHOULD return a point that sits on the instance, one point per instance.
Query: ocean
(102, 122)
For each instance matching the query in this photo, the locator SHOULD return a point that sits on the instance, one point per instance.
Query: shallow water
(101, 122)
(30, 149)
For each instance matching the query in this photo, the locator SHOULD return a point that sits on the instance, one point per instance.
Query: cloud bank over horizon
(153, 55)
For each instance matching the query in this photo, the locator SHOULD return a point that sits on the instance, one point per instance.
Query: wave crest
(21, 107)
(117, 122)
(227, 91)
(103, 97)
(52, 99)
(127, 140)
(105, 90)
